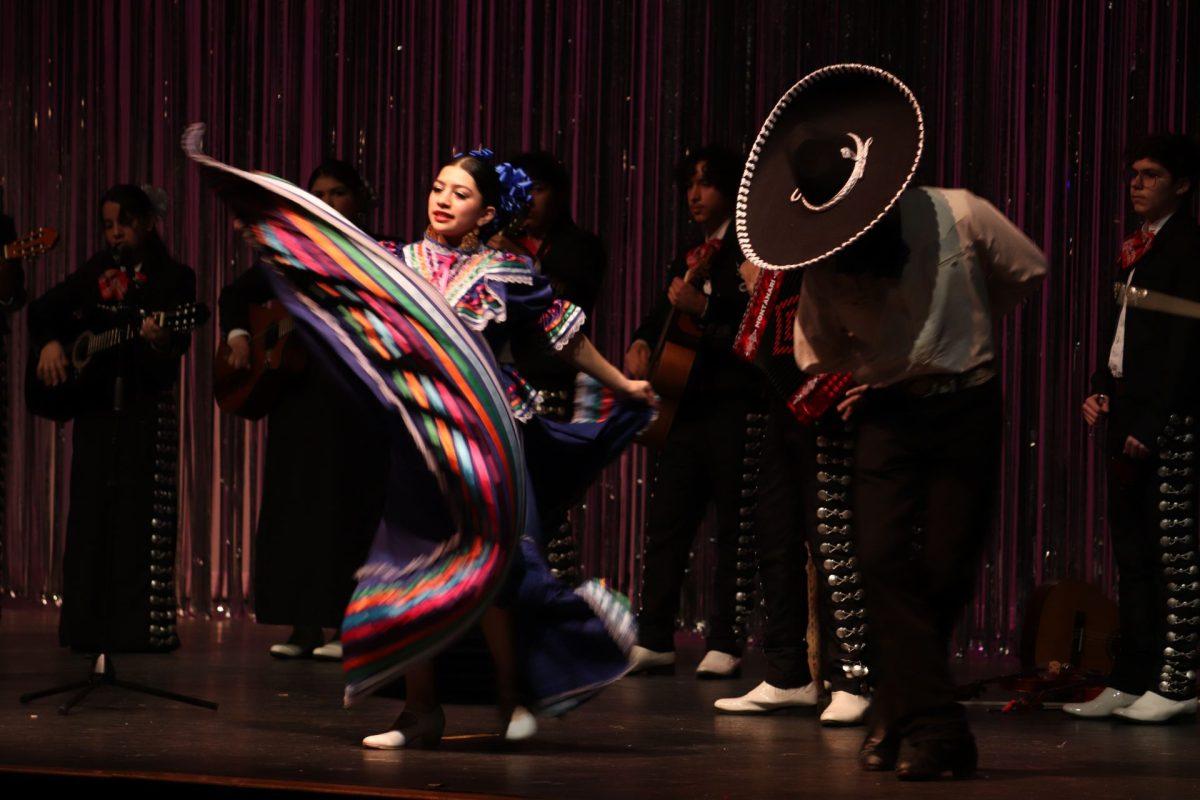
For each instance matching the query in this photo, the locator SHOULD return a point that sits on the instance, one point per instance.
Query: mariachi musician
(805, 499)
(712, 447)
(324, 468)
(1148, 391)
(119, 561)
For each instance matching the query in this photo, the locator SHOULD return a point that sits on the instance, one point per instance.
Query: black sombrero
(831, 160)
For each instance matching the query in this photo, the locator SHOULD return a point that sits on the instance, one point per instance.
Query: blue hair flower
(515, 187)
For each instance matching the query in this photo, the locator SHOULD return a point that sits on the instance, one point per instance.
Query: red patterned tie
(1133, 248)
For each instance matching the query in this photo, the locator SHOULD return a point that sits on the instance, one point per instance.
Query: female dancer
(465, 202)
(459, 536)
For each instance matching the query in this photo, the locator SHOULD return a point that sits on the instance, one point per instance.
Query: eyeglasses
(1147, 177)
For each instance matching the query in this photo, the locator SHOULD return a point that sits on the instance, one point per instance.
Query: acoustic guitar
(1068, 638)
(32, 244)
(275, 356)
(1072, 623)
(673, 358)
(61, 403)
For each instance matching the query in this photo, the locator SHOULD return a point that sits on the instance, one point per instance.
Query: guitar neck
(116, 337)
(276, 330)
(34, 243)
(693, 278)
(110, 339)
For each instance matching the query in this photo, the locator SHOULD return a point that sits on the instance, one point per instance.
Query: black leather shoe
(879, 750)
(932, 759)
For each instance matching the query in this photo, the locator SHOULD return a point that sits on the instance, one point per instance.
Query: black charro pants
(787, 520)
(1152, 520)
(924, 487)
(702, 462)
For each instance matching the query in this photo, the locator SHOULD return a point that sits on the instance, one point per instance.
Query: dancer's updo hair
(503, 187)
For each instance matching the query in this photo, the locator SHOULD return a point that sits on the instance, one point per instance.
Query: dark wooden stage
(280, 729)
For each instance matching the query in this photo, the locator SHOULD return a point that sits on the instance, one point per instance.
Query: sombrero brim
(779, 229)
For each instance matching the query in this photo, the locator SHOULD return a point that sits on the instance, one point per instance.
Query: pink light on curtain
(1028, 105)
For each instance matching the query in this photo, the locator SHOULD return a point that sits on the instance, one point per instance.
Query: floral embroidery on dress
(471, 282)
(561, 321)
(457, 272)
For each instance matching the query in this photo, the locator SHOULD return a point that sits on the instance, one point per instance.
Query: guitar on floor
(61, 403)
(1068, 643)
(31, 245)
(275, 356)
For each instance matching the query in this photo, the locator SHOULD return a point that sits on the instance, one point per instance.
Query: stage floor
(644, 737)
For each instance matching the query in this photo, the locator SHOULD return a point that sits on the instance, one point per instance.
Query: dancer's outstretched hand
(641, 391)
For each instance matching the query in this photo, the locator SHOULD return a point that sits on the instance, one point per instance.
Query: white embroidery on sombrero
(741, 214)
(860, 165)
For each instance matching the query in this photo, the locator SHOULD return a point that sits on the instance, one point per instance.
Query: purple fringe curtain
(1028, 104)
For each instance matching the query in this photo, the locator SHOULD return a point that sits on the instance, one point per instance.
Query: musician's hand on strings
(155, 334)
(1094, 408)
(52, 364)
(239, 351)
(850, 400)
(637, 360)
(686, 298)
(1135, 449)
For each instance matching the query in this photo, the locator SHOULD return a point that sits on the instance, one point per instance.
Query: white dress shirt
(967, 266)
(1116, 353)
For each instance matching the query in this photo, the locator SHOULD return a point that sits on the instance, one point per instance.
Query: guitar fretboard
(277, 330)
(175, 321)
(112, 338)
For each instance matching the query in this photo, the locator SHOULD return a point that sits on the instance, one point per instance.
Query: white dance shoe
(289, 651)
(411, 730)
(330, 651)
(765, 698)
(718, 666)
(650, 662)
(522, 725)
(1153, 708)
(844, 710)
(1102, 705)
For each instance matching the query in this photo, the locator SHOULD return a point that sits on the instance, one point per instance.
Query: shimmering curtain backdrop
(1028, 104)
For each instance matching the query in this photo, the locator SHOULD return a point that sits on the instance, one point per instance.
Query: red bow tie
(1133, 248)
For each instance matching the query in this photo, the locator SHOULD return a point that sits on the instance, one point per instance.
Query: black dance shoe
(879, 750)
(932, 759)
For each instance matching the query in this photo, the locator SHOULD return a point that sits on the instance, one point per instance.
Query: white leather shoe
(717, 665)
(411, 730)
(330, 651)
(651, 662)
(765, 698)
(1154, 708)
(521, 726)
(845, 709)
(288, 651)
(1102, 705)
